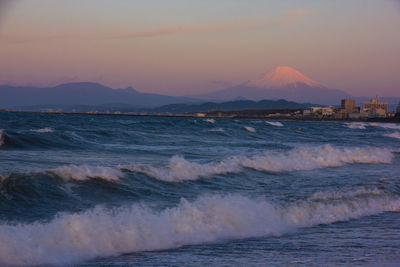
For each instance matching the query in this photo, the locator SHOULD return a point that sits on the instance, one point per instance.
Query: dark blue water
(152, 191)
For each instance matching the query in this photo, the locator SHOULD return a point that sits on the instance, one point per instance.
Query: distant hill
(231, 105)
(85, 93)
(281, 83)
(176, 108)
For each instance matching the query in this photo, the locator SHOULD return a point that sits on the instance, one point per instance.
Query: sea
(94, 190)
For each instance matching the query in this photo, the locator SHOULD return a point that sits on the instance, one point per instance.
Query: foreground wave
(298, 159)
(101, 232)
(179, 169)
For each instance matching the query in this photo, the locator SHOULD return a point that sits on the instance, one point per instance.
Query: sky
(184, 47)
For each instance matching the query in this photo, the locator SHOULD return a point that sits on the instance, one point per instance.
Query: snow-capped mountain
(282, 83)
(281, 77)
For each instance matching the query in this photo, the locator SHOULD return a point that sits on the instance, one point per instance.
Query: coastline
(219, 116)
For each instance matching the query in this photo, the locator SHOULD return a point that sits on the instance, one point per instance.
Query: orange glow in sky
(190, 47)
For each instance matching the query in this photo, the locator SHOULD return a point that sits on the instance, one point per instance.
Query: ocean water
(154, 191)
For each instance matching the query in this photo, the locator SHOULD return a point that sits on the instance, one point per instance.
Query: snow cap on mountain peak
(282, 76)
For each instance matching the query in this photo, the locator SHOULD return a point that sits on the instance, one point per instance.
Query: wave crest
(77, 173)
(298, 159)
(81, 173)
(102, 233)
(180, 169)
(302, 159)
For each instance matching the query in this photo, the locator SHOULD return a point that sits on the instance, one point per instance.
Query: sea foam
(297, 159)
(393, 135)
(100, 232)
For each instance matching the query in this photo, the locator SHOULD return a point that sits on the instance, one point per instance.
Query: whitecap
(393, 135)
(43, 130)
(392, 126)
(356, 125)
(101, 232)
(249, 129)
(275, 123)
(220, 130)
(210, 121)
(309, 158)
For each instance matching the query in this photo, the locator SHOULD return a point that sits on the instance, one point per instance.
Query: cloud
(289, 16)
(188, 28)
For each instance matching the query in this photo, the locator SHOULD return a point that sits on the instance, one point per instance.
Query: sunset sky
(183, 47)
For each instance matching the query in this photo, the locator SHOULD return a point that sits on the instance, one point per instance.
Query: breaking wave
(310, 158)
(81, 173)
(210, 121)
(393, 135)
(275, 123)
(180, 169)
(356, 125)
(43, 130)
(298, 159)
(363, 125)
(249, 129)
(385, 125)
(100, 232)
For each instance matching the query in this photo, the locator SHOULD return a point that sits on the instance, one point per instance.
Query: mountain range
(280, 83)
(84, 93)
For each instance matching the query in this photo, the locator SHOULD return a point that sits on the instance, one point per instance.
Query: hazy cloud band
(288, 17)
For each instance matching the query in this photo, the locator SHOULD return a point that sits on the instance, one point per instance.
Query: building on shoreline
(348, 110)
(349, 106)
(374, 108)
